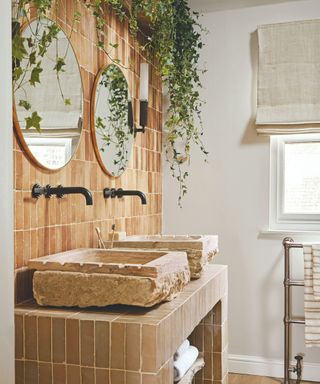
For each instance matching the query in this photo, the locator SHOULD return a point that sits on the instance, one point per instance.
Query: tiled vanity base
(125, 345)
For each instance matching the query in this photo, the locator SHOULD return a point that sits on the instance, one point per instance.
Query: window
(51, 152)
(295, 182)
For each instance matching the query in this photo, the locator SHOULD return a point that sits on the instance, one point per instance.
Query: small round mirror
(48, 94)
(112, 123)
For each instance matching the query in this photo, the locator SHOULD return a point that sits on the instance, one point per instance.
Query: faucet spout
(107, 192)
(60, 191)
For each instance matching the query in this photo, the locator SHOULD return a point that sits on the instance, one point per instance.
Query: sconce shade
(144, 81)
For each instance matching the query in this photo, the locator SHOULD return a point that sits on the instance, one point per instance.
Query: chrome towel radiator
(288, 319)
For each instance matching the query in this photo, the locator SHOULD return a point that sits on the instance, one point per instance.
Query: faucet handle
(60, 194)
(119, 193)
(47, 193)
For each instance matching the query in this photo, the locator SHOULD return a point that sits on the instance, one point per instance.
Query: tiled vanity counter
(125, 345)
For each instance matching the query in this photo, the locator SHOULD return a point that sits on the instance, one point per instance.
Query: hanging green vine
(114, 128)
(175, 42)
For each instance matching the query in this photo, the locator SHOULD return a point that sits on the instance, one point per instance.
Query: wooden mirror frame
(16, 125)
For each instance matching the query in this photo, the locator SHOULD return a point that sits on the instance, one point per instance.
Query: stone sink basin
(98, 277)
(200, 249)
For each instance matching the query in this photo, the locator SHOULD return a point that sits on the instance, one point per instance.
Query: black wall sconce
(144, 96)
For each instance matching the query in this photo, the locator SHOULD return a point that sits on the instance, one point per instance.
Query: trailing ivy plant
(174, 41)
(113, 128)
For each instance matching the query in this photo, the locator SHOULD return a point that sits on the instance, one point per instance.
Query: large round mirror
(48, 94)
(112, 120)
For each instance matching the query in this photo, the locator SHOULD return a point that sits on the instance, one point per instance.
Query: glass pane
(302, 178)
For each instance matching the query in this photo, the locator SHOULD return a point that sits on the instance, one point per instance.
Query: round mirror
(112, 123)
(48, 94)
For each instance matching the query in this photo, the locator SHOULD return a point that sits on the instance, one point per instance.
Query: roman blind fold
(289, 78)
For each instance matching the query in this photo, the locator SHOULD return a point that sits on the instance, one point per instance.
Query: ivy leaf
(54, 29)
(30, 42)
(33, 121)
(100, 45)
(18, 49)
(59, 65)
(77, 16)
(25, 104)
(67, 102)
(114, 45)
(17, 73)
(35, 75)
(32, 58)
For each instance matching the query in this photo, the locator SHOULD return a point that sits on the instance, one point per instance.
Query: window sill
(281, 234)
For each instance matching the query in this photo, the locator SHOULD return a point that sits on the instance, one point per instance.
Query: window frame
(278, 220)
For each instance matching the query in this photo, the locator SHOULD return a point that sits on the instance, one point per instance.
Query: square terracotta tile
(45, 373)
(73, 374)
(59, 373)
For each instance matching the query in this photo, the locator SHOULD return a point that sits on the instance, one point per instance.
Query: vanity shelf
(123, 344)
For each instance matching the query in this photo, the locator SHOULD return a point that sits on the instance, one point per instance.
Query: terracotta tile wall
(46, 226)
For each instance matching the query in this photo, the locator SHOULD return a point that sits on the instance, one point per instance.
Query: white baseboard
(254, 365)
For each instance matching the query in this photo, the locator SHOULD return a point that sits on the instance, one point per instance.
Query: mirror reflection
(48, 94)
(112, 120)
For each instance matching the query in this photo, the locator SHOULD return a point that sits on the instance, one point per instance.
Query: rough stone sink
(98, 277)
(200, 248)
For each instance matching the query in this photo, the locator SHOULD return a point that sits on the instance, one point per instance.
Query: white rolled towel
(185, 362)
(181, 350)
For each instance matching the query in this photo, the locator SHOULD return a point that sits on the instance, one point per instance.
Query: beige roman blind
(289, 78)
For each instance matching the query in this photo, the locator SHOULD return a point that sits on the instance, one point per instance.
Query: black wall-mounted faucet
(60, 191)
(107, 192)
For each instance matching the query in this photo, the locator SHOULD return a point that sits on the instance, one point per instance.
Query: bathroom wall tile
(31, 372)
(19, 342)
(87, 343)
(73, 374)
(133, 378)
(211, 337)
(149, 353)
(73, 341)
(59, 373)
(58, 340)
(102, 376)
(45, 373)
(30, 337)
(209, 370)
(87, 375)
(19, 372)
(44, 338)
(117, 377)
(150, 379)
(102, 339)
(133, 347)
(117, 351)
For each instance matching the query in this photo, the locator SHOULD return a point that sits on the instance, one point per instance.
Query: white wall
(229, 196)
(6, 203)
